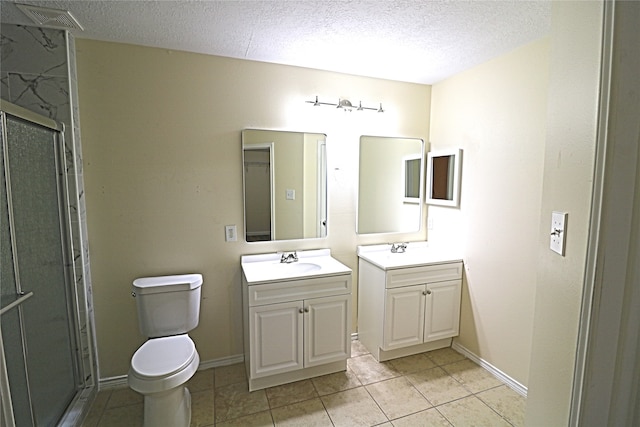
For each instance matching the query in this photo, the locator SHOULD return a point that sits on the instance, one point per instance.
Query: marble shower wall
(38, 72)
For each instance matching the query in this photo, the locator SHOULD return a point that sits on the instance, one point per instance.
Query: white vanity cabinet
(296, 328)
(408, 309)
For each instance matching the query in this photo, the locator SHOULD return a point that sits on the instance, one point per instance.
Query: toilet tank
(167, 305)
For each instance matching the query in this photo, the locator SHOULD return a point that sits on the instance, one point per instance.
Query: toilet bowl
(159, 370)
(168, 308)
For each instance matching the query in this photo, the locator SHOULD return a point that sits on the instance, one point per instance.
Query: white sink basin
(417, 254)
(268, 268)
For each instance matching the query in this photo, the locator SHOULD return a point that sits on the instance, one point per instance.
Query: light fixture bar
(346, 105)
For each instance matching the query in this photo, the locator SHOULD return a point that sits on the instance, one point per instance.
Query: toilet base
(171, 408)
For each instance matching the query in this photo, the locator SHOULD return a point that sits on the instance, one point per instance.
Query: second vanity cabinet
(296, 327)
(407, 308)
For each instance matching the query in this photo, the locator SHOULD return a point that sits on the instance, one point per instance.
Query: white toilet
(168, 308)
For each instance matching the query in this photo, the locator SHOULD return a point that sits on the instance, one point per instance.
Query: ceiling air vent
(50, 18)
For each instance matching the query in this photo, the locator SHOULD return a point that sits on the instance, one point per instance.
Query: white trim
(120, 381)
(510, 382)
(587, 300)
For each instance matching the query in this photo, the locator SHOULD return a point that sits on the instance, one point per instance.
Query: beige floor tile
(260, 419)
(358, 349)
(471, 411)
(231, 374)
(472, 376)
(445, 356)
(123, 416)
(429, 418)
(124, 397)
(235, 401)
(310, 413)
(97, 408)
(414, 363)
(202, 408)
(397, 397)
(334, 383)
(437, 386)
(201, 380)
(353, 408)
(291, 393)
(506, 402)
(369, 370)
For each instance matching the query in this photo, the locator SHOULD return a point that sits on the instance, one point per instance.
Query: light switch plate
(291, 194)
(230, 233)
(558, 231)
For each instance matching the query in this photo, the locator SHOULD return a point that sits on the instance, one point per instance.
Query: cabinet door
(327, 327)
(442, 317)
(275, 338)
(403, 317)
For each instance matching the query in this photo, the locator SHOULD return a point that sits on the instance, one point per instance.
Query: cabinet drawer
(425, 274)
(271, 293)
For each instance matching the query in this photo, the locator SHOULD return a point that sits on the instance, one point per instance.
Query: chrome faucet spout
(288, 258)
(399, 248)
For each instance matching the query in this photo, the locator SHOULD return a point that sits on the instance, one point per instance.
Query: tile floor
(438, 388)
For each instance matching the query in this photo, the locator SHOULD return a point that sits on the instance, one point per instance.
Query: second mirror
(390, 185)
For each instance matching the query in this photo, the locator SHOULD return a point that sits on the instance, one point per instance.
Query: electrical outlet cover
(558, 232)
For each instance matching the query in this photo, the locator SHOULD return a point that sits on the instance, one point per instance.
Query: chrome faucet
(398, 248)
(288, 258)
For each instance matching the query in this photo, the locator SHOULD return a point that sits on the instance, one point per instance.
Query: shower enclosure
(40, 361)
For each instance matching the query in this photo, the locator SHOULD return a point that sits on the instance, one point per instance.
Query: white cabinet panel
(276, 338)
(404, 317)
(327, 326)
(442, 310)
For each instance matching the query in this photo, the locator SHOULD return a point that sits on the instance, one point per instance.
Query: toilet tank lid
(178, 282)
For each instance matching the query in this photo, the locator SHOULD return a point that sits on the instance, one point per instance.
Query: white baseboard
(510, 382)
(121, 380)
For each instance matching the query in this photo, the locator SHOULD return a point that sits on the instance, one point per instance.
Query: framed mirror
(285, 185)
(443, 177)
(390, 185)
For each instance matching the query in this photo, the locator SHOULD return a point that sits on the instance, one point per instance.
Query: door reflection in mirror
(285, 185)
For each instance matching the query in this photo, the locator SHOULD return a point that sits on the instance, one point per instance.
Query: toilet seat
(162, 357)
(163, 363)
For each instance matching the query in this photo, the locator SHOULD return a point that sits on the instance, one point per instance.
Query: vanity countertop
(266, 268)
(417, 254)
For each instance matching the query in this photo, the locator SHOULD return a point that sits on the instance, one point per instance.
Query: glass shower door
(38, 336)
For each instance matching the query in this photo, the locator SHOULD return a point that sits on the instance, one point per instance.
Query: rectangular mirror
(285, 185)
(443, 177)
(390, 185)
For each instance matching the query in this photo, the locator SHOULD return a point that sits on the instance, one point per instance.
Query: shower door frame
(25, 115)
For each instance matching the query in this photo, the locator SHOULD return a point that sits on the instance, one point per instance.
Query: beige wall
(496, 113)
(163, 173)
(568, 175)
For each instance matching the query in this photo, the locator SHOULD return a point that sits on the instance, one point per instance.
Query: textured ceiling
(413, 41)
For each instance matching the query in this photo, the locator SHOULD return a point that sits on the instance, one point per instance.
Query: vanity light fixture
(346, 105)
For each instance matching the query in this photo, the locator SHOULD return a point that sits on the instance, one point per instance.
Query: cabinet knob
(428, 292)
(300, 311)
(306, 310)
(424, 292)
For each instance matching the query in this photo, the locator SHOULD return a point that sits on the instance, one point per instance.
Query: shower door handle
(20, 298)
